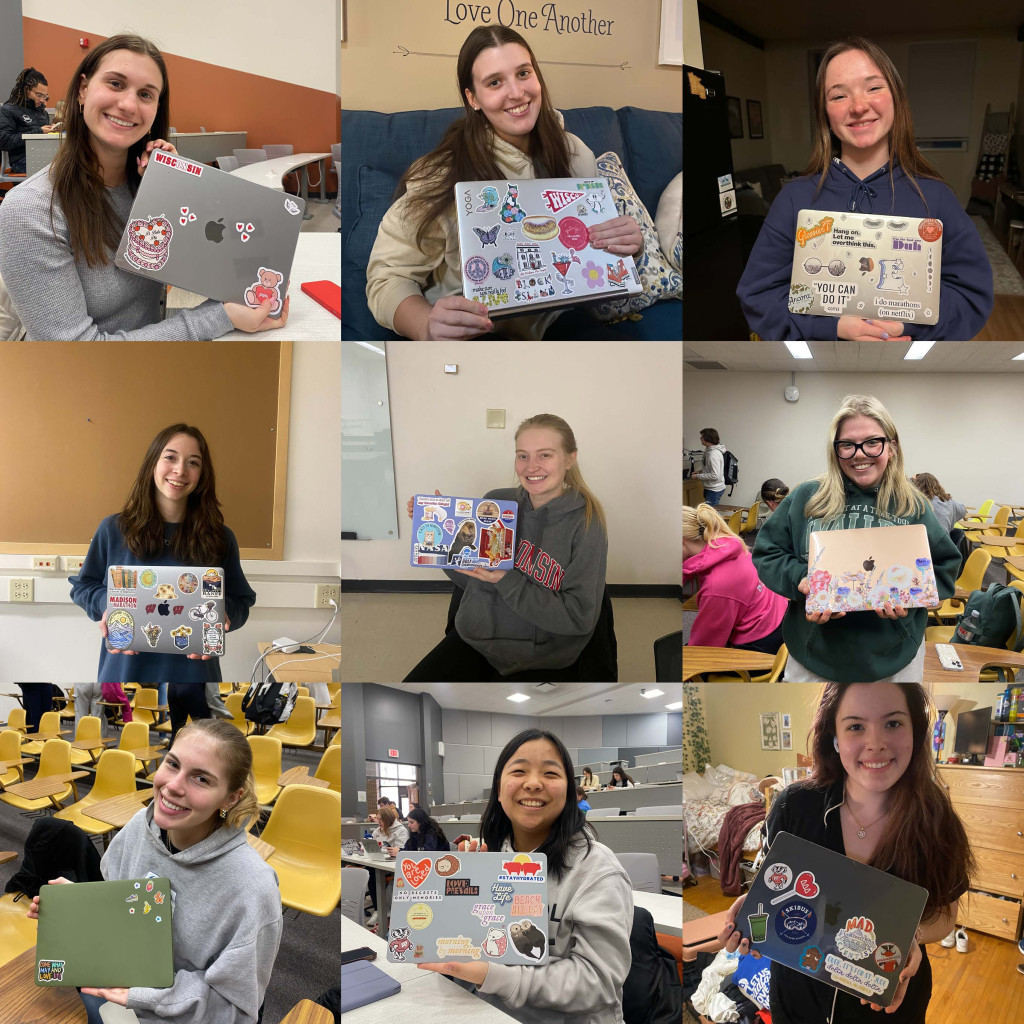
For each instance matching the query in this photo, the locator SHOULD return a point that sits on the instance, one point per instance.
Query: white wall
(622, 400)
(52, 640)
(948, 425)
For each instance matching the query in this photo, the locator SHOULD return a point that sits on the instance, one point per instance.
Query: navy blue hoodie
(965, 298)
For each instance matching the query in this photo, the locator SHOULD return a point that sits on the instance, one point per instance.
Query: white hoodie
(713, 474)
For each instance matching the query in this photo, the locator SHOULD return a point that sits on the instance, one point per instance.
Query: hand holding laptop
(852, 328)
(33, 911)
(163, 144)
(620, 235)
(888, 611)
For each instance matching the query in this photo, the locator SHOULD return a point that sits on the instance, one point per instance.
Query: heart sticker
(183, 220)
(806, 885)
(416, 873)
(239, 227)
(184, 210)
(245, 236)
(248, 227)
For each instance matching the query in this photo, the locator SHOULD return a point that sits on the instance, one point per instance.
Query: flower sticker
(593, 275)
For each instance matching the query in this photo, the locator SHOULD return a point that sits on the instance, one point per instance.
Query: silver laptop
(165, 609)
(207, 231)
(524, 244)
(866, 265)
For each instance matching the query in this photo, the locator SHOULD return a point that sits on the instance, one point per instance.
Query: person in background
(37, 700)
(24, 113)
(114, 692)
(87, 702)
(390, 833)
(184, 699)
(713, 474)
(772, 492)
(424, 834)
(581, 799)
(588, 781)
(947, 509)
(620, 779)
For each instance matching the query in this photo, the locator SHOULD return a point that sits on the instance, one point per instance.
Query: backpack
(731, 470)
(269, 703)
(999, 618)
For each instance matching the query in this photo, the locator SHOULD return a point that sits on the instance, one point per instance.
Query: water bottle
(1003, 706)
(1016, 705)
(968, 628)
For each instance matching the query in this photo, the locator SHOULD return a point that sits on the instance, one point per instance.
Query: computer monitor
(972, 731)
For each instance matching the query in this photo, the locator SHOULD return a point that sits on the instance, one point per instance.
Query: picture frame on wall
(786, 722)
(787, 739)
(754, 123)
(670, 39)
(734, 111)
(769, 730)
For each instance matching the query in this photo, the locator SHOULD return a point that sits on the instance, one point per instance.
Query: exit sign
(392, 753)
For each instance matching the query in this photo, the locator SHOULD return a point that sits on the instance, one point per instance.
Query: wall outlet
(20, 589)
(73, 563)
(325, 592)
(48, 562)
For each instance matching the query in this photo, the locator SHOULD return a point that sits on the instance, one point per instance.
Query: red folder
(327, 293)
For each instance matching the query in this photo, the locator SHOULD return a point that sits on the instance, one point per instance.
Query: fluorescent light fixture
(1021, 356)
(674, 707)
(517, 697)
(372, 348)
(799, 349)
(652, 693)
(918, 349)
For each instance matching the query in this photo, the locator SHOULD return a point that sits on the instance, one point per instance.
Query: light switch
(495, 419)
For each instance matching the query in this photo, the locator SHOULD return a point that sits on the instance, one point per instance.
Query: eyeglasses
(871, 447)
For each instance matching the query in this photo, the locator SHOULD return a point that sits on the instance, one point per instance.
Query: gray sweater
(948, 513)
(226, 919)
(58, 298)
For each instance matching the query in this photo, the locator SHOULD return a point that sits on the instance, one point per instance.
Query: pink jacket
(733, 605)
(113, 691)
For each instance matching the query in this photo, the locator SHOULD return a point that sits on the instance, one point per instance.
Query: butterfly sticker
(488, 236)
(187, 216)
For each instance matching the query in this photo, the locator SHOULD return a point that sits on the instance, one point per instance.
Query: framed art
(769, 730)
(786, 724)
(754, 124)
(787, 739)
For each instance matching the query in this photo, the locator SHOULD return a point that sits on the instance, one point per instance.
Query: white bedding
(708, 797)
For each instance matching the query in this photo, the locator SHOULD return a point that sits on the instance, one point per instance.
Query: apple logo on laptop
(215, 230)
(162, 609)
(869, 564)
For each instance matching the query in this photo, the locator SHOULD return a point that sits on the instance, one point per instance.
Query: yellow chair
(89, 728)
(750, 523)
(135, 736)
(145, 699)
(17, 932)
(329, 768)
(300, 729)
(16, 720)
(50, 722)
(233, 702)
(302, 691)
(54, 760)
(334, 689)
(115, 775)
(336, 742)
(266, 767)
(778, 667)
(994, 529)
(982, 514)
(734, 520)
(305, 831)
(10, 750)
(1011, 571)
(970, 579)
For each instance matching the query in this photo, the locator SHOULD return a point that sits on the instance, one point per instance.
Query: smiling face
(120, 101)
(864, 470)
(533, 790)
(858, 102)
(876, 736)
(507, 90)
(178, 470)
(541, 463)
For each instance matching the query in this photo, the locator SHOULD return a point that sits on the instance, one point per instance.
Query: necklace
(862, 830)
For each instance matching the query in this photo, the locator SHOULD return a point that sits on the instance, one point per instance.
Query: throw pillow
(669, 222)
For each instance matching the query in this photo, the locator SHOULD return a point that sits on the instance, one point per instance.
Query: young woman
(864, 486)
(390, 833)
(873, 797)
(864, 160)
(533, 621)
(734, 608)
(61, 227)
(620, 780)
(193, 833)
(531, 810)
(587, 780)
(948, 511)
(772, 492)
(24, 113)
(424, 834)
(581, 799)
(511, 131)
(170, 517)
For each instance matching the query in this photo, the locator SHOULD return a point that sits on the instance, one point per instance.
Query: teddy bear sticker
(266, 286)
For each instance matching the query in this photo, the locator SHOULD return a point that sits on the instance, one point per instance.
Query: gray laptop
(866, 265)
(207, 231)
(167, 609)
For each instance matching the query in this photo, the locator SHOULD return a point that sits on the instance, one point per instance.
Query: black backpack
(731, 470)
(269, 703)
(999, 618)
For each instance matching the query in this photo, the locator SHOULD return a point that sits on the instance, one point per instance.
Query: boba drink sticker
(463, 533)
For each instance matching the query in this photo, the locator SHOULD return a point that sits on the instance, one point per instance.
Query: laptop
(211, 232)
(525, 247)
(373, 849)
(465, 907)
(832, 918)
(462, 533)
(866, 265)
(165, 609)
(106, 934)
(861, 570)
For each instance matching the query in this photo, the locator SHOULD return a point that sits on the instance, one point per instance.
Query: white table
(271, 172)
(355, 937)
(667, 911)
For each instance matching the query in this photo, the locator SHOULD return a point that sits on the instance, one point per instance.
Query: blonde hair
(573, 476)
(704, 523)
(896, 495)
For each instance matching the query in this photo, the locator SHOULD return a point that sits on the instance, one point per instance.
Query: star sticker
(904, 289)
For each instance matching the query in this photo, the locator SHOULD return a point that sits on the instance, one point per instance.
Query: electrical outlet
(325, 592)
(20, 589)
(44, 562)
(73, 563)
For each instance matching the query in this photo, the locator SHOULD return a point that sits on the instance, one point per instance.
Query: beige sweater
(399, 268)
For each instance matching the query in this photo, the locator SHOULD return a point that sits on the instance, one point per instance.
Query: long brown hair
(465, 152)
(77, 177)
(921, 816)
(930, 487)
(200, 536)
(902, 148)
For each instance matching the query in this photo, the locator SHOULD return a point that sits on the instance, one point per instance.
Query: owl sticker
(529, 940)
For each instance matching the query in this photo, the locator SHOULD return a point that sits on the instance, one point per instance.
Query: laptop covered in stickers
(166, 609)
(105, 934)
(205, 230)
(463, 907)
(866, 265)
(463, 533)
(832, 918)
(524, 244)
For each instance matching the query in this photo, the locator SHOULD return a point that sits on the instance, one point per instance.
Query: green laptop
(106, 934)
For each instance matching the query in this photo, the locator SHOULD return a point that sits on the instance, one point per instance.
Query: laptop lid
(469, 906)
(167, 609)
(210, 232)
(373, 849)
(525, 247)
(362, 983)
(861, 570)
(462, 533)
(866, 265)
(106, 934)
(832, 918)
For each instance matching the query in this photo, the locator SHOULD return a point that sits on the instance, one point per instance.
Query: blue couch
(379, 148)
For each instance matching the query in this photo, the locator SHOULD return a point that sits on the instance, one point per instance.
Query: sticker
(446, 866)
(801, 298)
(477, 269)
(165, 592)
(213, 638)
(857, 940)
(204, 612)
(120, 630)
(890, 277)
(805, 886)
(501, 893)
(123, 579)
(138, 885)
(403, 895)
(561, 261)
(510, 209)
(724, 182)
(593, 274)
(415, 872)
(134, 898)
(122, 601)
(866, 265)
(149, 887)
(597, 201)
(485, 913)
(459, 945)
(488, 197)
(617, 274)
(811, 960)
(528, 257)
(187, 216)
(805, 235)
(178, 163)
(487, 236)
(490, 294)
(266, 286)
(147, 908)
(158, 919)
(181, 636)
(581, 209)
(460, 887)
(487, 512)
(555, 199)
(158, 897)
(534, 286)
(758, 924)
(178, 609)
(527, 905)
(854, 976)
(148, 579)
(496, 544)
(149, 242)
(419, 916)
(188, 583)
(449, 525)
(467, 201)
(463, 543)
(837, 268)
(51, 970)
(930, 230)
(428, 542)
(572, 232)
(540, 229)
(292, 207)
(778, 877)
(213, 585)
(152, 633)
(131, 910)
(521, 868)
(502, 267)
(399, 943)
(529, 940)
(495, 943)
(888, 956)
(795, 923)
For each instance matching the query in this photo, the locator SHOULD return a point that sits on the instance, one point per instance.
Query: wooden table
(973, 658)
(330, 725)
(146, 754)
(93, 744)
(308, 1012)
(299, 775)
(50, 735)
(1002, 542)
(24, 1002)
(304, 668)
(698, 661)
(119, 810)
(265, 850)
(48, 785)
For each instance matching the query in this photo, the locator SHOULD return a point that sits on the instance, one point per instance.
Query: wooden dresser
(990, 803)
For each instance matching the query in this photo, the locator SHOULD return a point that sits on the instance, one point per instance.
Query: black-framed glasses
(871, 447)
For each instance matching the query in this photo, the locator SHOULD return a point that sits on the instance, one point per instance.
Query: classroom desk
(973, 658)
(698, 661)
(380, 868)
(299, 775)
(304, 668)
(308, 1012)
(330, 725)
(265, 850)
(147, 754)
(271, 173)
(1002, 542)
(119, 810)
(93, 744)
(24, 1002)
(667, 911)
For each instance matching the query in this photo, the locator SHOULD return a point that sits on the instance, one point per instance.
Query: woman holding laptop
(60, 228)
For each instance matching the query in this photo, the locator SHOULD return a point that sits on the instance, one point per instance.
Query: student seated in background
(391, 834)
(581, 799)
(587, 780)
(734, 608)
(772, 492)
(424, 834)
(620, 779)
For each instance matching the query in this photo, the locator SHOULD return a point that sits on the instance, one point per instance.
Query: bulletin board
(78, 417)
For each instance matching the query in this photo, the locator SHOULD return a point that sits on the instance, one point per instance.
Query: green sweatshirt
(860, 647)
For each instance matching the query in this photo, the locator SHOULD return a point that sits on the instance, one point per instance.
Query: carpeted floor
(1006, 280)
(691, 913)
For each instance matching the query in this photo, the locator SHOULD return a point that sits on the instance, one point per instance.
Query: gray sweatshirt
(541, 613)
(227, 923)
(590, 917)
(713, 473)
(948, 513)
(60, 299)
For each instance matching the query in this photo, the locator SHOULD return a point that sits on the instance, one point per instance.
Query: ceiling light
(517, 697)
(674, 707)
(918, 349)
(799, 349)
(652, 693)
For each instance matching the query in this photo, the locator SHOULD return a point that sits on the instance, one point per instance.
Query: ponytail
(773, 490)
(704, 523)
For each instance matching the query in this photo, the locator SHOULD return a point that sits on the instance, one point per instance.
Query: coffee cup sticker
(758, 924)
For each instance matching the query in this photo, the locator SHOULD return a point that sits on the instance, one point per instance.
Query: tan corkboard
(78, 418)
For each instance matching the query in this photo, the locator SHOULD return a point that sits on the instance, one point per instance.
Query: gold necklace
(862, 830)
